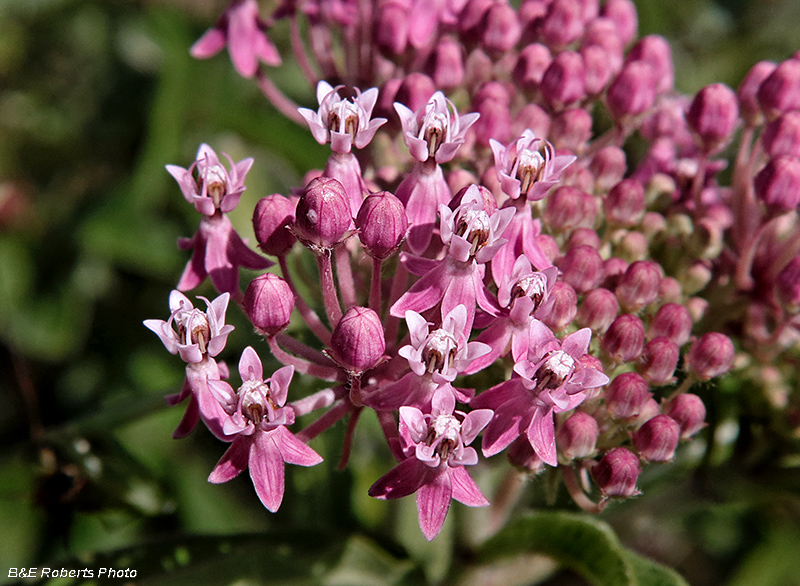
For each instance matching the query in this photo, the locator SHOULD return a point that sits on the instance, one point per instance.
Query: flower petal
(267, 470)
(541, 434)
(402, 480)
(464, 488)
(293, 450)
(233, 461)
(433, 502)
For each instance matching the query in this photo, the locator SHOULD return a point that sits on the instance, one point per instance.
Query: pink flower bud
(778, 184)
(712, 116)
(577, 436)
(501, 28)
(382, 224)
(480, 69)
(448, 64)
(531, 117)
(782, 136)
(492, 103)
(656, 52)
(271, 218)
(688, 411)
(357, 341)
(531, 64)
(624, 339)
(603, 33)
(657, 439)
(624, 204)
(650, 409)
(608, 166)
(568, 207)
(710, 356)
(613, 269)
(562, 25)
(582, 268)
(616, 474)
(623, 14)
(549, 247)
(584, 237)
(565, 306)
(268, 303)
(627, 395)
(633, 91)
(415, 91)
(638, 287)
(659, 360)
(322, 215)
(788, 284)
(670, 290)
(749, 108)
(572, 129)
(598, 310)
(780, 92)
(563, 81)
(599, 69)
(522, 455)
(391, 27)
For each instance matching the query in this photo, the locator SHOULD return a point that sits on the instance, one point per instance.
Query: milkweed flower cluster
(474, 221)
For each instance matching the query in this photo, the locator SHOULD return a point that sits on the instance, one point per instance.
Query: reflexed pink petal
(293, 450)
(501, 431)
(223, 274)
(233, 461)
(433, 502)
(542, 435)
(195, 272)
(211, 43)
(266, 50)
(267, 470)
(496, 337)
(460, 291)
(464, 488)
(422, 295)
(402, 480)
(189, 420)
(242, 38)
(241, 256)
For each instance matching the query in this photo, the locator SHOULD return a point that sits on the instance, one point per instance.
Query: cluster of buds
(479, 226)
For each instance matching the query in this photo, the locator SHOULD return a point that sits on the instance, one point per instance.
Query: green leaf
(584, 544)
(364, 563)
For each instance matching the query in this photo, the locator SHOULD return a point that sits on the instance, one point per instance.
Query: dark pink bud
(322, 215)
(391, 27)
(627, 395)
(670, 290)
(656, 52)
(624, 204)
(568, 207)
(749, 108)
(590, 9)
(598, 68)
(778, 184)
(638, 287)
(472, 16)
(780, 92)
(582, 268)
(650, 409)
(549, 247)
(633, 91)
(613, 269)
(492, 103)
(623, 14)
(712, 116)
(501, 28)
(657, 439)
(689, 412)
(531, 64)
(624, 339)
(603, 33)
(448, 64)
(598, 310)
(571, 129)
(357, 341)
(563, 81)
(580, 177)
(782, 136)
(269, 302)
(415, 91)
(521, 455)
(565, 306)
(480, 68)
(659, 360)
(382, 224)
(710, 356)
(534, 117)
(584, 237)
(616, 474)
(271, 218)
(788, 284)
(577, 436)
(562, 25)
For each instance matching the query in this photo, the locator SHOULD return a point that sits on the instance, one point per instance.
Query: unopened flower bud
(712, 116)
(650, 409)
(788, 284)
(638, 287)
(603, 33)
(448, 64)
(415, 91)
(598, 68)
(568, 208)
(782, 136)
(710, 355)
(616, 473)
(492, 103)
(269, 302)
(671, 321)
(624, 204)
(531, 64)
(571, 130)
(780, 92)
(533, 117)
(549, 247)
(626, 395)
(695, 278)
(659, 360)
(582, 268)
(749, 108)
(577, 436)
(778, 184)
(613, 269)
(608, 166)
(633, 91)
(624, 339)
(623, 14)
(501, 28)
(382, 224)
(562, 25)
(633, 247)
(565, 306)
(670, 290)
(563, 81)
(656, 52)
(688, 411)
(271, 218)
(598, 310)
(357, 341)
(584, 237)
(522, 455)
(322, 215)
(391, 29)
(657, 439)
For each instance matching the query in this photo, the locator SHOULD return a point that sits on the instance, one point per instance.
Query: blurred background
(95, 98)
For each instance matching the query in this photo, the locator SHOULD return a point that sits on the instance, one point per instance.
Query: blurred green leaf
(364, 563)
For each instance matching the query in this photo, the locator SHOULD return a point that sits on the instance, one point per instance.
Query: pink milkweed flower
(257, 418)
(214, 188)
(244, 32)
(436, 451)
(343, 122)
(552, 380)
(528, 167)
(190, 332)
(435, 131)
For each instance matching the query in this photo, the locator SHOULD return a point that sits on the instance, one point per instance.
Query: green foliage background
(95, 98)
